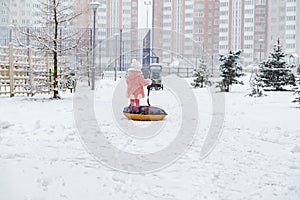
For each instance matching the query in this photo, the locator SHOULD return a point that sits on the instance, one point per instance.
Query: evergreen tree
(274, 72)
(201, 75)
(230, 70)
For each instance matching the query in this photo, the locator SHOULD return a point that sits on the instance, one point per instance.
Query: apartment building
(185, 29)
(15, 13)
(118, 33)
(252, 26)
(182, 28)
(4, 22)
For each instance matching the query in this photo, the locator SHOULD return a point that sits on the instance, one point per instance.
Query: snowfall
(251, 150)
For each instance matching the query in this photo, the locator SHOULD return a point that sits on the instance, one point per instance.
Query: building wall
(206, 27)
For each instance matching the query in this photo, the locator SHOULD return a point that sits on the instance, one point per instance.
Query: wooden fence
(23, 71)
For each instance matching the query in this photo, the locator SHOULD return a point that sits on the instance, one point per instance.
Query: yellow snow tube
(144, 113)
(143, 117)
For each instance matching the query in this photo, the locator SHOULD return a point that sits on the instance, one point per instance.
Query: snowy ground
(257, 156)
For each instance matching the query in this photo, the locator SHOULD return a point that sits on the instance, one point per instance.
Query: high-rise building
(284, 23)
(187, 29)
(4, 22)
(118, 33)
(251, 26)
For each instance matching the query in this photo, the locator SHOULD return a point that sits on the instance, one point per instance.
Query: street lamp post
(100, 41)
(260, 52)
(260, 49)
(147, 3)
(121, 47)
(116, 57)
(94, 6)
(10, 32)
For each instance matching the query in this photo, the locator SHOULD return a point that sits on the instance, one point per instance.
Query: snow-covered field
(43, 154)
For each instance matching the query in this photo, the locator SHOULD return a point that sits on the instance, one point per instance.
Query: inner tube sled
(144, 113)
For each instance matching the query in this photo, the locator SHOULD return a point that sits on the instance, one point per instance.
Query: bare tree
(56, 35)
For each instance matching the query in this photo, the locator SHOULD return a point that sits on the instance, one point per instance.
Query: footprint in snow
(5, 125)
(296, 149)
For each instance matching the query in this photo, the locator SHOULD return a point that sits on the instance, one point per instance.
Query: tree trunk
(55, 55)
(227, 88)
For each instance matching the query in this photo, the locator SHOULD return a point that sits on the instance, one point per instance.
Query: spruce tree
(230, 70)
(201, 75)
(275, 72)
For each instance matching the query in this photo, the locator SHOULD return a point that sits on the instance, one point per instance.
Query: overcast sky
(143, 14)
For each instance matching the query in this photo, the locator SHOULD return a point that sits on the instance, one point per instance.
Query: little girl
(135, 83)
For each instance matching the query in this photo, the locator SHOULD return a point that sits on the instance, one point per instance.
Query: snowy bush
(256, 86)
(297, 91)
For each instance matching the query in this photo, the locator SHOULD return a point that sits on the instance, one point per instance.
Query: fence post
(11, 70)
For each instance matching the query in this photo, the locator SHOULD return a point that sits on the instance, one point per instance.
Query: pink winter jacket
(135, 83)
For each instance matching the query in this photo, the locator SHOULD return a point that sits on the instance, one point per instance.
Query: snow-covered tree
(275, 72)
(55, 35)
(230, 70)
(201, 74)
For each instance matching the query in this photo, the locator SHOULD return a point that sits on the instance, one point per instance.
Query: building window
(248, 20)
(248, 37)
(223, 13)
(290, 36)
(260, 11)
(260, 2)
(290, 46)
(199, 6)
(224, 21)
(249, 28)
(248, 46)
(216, 22)
(291, 18)
(223, 30)
(290, 27)
(291, 9)
(223, 46)
(249, 11)
(282, 19)
(223, 38)
(259, 37)
(224, 4)
(248, 55)
(260, 19)
(260, 28)
(200, 31)
(249, 2)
